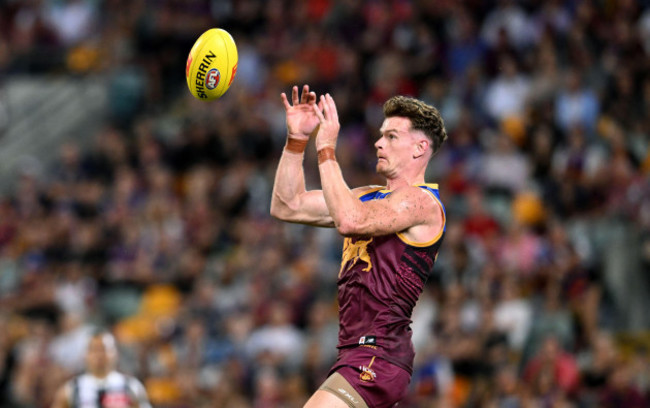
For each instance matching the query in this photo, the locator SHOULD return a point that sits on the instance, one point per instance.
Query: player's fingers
(305, 94)
(326, 107)
(312, 98)
(294, 95)
(317, 110)
(285, 101)
(333, 112)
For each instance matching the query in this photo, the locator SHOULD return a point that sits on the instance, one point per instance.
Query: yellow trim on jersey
(383, 189)
(442, 228)
(430, 185)
(372, 190)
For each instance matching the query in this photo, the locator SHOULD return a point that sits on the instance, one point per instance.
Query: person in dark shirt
(392, 236)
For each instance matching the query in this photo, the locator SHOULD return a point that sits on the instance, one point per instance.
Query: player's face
(396, 145)
(100, 355)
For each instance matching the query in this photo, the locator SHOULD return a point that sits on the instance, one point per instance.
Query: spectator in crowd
(101, 384)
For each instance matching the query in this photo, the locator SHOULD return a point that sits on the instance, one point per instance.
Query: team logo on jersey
(354, 252)
(212, 78)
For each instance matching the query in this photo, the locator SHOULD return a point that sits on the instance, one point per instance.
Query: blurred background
(126, 203)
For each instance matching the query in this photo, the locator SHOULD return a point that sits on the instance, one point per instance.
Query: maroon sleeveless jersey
(379, 282)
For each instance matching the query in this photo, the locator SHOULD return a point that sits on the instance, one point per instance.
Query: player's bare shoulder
(429, 202)
(417, 199)
(428, 213)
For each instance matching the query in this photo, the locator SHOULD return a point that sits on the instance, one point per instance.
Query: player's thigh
(324, 399)
(336, 392)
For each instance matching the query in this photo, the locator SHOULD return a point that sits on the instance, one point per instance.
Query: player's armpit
(307, 208)
(402, 210)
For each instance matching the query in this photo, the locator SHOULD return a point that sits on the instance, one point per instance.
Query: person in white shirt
(101, 386)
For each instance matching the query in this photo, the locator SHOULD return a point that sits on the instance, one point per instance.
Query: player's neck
(404, 180)
(100, 375)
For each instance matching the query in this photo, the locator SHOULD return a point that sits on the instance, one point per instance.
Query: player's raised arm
(406, 207)
(402, 210)
(290, 200)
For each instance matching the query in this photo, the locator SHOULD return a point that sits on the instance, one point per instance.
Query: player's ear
(421, 147)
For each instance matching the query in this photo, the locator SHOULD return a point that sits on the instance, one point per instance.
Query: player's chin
(380, 168)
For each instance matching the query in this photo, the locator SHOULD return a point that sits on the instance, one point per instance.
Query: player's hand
(301, 119)
(328, 117)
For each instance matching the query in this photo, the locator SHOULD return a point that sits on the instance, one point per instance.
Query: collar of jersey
(384, 190)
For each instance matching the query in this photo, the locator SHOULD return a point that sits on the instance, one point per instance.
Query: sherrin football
(211, 65)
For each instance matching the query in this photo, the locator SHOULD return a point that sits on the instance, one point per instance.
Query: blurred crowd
(161, 231)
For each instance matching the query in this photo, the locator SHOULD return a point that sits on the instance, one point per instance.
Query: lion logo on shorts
(367, 374)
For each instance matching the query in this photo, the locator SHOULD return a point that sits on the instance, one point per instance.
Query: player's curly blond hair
(423, 117)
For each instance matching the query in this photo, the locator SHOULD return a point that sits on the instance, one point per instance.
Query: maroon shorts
(381, 384)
